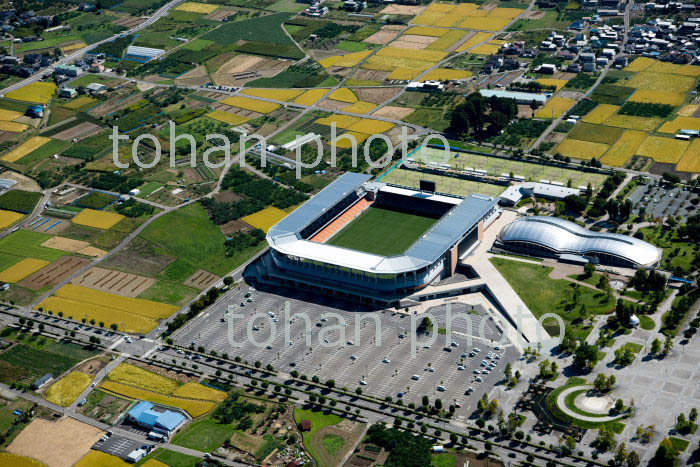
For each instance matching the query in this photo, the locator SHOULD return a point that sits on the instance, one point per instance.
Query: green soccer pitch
(382, 232)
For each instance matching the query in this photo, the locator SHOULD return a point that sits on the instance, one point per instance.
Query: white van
(415, 377)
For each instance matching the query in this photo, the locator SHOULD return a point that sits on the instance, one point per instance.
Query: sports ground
(382, 232)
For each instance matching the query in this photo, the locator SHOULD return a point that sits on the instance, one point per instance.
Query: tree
(586, 356)
(655, 347)
(588, 270)
(633, 459)
(454, 438)
(257, 364)
(619, 405)
(508, 371)
(228, 280)
(605, 440)
(621, 454)
(668, 345)
(114, 326)
(600, 383)
(666, 454)
(693, 414)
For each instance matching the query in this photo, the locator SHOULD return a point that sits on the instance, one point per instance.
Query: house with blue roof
(157, 419)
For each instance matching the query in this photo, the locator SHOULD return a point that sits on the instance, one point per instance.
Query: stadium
(553, 237)
(373, 242)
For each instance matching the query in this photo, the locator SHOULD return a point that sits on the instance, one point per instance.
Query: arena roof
(566, 237)
(285, 237)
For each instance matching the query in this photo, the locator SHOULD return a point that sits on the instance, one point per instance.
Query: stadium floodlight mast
(212, 159)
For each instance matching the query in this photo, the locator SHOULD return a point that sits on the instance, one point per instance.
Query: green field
(96, 200)
(19, 200)
(26, 244)
(497, 166)
(319, 420)
(190, 235)
(204, 435)
(172, 458)
(50, 41)
(55, 146)
(382, 232)
(266, 29)
(452, 185)
(611, 94)
(596, 133)
(543, 295)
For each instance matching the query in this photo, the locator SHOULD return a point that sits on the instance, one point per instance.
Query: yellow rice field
(311, 96)
(227, 117)
(72, 47)
(600, 113)
(24, 268)
(348, 60)
(196, 7)
(426, 31)
(624, 148)
(405, 73)
(131, 374)
(688, 110)
(344, 95)
(445, 74)
(392, 63)
(429, 18)
(370, 126)
(555, 107)
(254, 105)
(420, 55)
(25, 148)
(341, 121)
(509, 13)
(132, 305)
(582, 149)
(13, 127)
(658, 97)
(194, 407)
(67, 389)
(38, 93)
(21, 461)
(667, 67)
(7, 218)
(79, 102)
(690, 162)
(285, 95)
(663, 149)
(98, 219)
(477, 38)
(101, 459)
(440, 8)
(488, 23)
(559, 83)
(660, 82)
(633, 123)
(640, 64)
(346, 143)
(680, 123)
(9, 115)
(486, 49)
(447, 41)
(265, 219)
(199, 391)
(360, 107)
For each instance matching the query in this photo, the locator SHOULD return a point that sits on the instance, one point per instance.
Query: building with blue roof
(302, 256)
(157, 419)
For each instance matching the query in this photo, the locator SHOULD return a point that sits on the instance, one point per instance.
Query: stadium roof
(285, 238)
(564, 237)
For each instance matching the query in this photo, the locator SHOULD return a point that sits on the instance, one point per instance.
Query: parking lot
(117, 446)
(660, 202)
(379, 362)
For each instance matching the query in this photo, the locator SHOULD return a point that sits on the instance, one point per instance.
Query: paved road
(79, 53)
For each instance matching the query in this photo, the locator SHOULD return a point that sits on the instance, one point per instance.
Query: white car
(415, 377)
(441, 388)
(363, 383)
(386, 360)
(461, 367)
(477, 372)
(478, 378)
(431, 369)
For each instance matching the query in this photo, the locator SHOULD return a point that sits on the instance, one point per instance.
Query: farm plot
(138, 383)
(80, 130)
(131, 314)
(680, 123)
(663, 149)
(414, 42)
(8, 218)
(80, 103)
(38, 93)
(57, 444)
(201, 279)
(254, 105)
(601, 113)
(13, 127)
(345, 61)
(27, 244)
(661, 82)
(311, 96)
(658, 97)
(385, 35)
(19, 461)
(265, 219)
(285, 95)
(595, 133)
(624, 148)
(97, 219)
(120, 283)
(24, 268)
(555, 107)
(227, 117)
(66, 390)
(690, 162)
(446, 74)
(54, 273)
(582, 149)
(25, 148)
(633, 123)
(196, 7)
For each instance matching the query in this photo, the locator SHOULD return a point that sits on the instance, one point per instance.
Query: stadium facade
(302, 254)
(553, 237)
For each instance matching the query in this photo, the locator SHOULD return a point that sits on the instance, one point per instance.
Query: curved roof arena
(565, 237)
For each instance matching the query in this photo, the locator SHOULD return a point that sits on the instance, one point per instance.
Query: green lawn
(676, 253)
(333, 443)
(149, 188)
(680, 444)
(544, 295)
(596, 133)
(204, 435)
(288, 5)
(319, 420)
(444, 460)
(548, 21)
(172, 458)
(169, 292)
(382, 232)
(190, 235)
(647, 323)
(352, 46)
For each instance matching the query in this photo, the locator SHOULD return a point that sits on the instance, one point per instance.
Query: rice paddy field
(134, 382)
(445, 74)
(347, 61)
(251, 104)
(66, 390)
(311, 96)
(497, 166)
(285, 95)
(132, 315)
(8, 218)
(21, 270)
(690, 162)
(663, 149)
(25, 148)
(658, 97)
(97, 219)
(227, 117)
(196, 7)
(26, 244)
(601, 113)
(624, 148)
(582, 149)
(266, 218)
(39, 93)
(555, 107)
